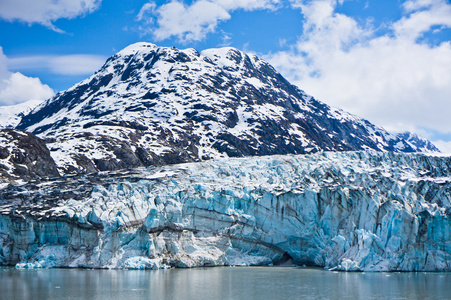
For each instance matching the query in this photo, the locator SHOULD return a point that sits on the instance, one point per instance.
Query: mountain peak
(140, 46)
(155, 105)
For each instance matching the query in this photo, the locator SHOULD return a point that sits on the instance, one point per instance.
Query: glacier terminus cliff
(353, 211)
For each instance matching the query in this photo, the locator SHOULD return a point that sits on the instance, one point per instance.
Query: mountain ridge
(151, 105)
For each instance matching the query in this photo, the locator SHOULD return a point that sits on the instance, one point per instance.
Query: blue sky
(386, 60)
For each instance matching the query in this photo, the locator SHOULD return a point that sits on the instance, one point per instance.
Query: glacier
(350, 211)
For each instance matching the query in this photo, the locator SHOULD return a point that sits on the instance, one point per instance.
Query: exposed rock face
(349, 211)
(24, 156)
(152, 105)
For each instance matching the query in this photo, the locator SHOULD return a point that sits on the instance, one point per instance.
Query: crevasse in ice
(349, 211)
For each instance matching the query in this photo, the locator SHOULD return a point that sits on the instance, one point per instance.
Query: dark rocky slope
(24, 156)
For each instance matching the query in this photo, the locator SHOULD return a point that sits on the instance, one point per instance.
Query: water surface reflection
(220, 283)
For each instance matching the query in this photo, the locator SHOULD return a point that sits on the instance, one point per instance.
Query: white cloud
(3, 64)
(75, 64)
(45, 11)
(412, 5)
(422, 15)
(444, 146)
(192, 22)
(393, 80)
(145, 10)
(188, 23)
(19, 88)
(226, 39)
(16, 87)
(248, 5)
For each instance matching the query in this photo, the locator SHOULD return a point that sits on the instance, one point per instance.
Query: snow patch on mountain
(10, 115)
(24, 156)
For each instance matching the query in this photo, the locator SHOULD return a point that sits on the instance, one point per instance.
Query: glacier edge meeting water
(352, 211)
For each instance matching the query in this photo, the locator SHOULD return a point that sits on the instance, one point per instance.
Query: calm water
(220, 283)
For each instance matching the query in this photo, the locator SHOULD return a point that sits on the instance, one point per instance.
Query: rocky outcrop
(24, 156)
(366, 211)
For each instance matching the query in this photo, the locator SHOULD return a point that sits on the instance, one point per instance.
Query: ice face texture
(348, 211)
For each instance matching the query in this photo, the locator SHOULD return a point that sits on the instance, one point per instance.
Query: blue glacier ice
(352, 211)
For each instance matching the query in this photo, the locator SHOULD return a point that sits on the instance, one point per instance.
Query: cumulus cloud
(188, 23)
(45, 11)
(16, 87)
(421, 16)
(192, 22)
(393, 79)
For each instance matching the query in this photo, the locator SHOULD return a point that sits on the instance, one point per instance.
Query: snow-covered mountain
(369, 211)
(11, 115)
(372, 210)
(152, 105)
(417, 142)
(24, 156)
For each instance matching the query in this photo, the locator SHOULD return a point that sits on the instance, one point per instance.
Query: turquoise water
(220, 283)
